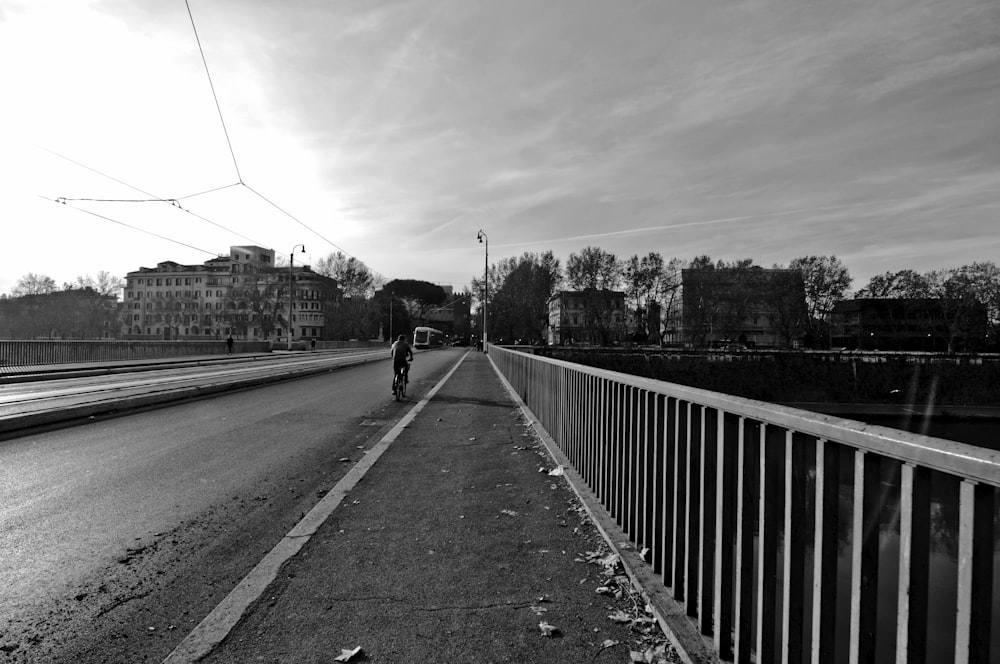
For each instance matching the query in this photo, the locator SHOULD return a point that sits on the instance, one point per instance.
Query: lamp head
(479, 236)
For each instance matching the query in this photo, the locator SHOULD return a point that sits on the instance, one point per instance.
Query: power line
(173, 201)
(214, 95)
(297, 220)
(210, 191)
(232, 153)
(62, 201)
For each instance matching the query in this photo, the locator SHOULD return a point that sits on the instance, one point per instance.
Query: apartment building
(243, 294)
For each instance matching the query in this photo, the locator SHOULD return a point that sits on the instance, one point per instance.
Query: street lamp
(291, 291)
(486, 281)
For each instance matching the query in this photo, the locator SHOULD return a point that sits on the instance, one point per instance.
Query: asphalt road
(109, 527)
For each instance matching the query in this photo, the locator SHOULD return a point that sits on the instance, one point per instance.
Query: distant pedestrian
(229, 344)
(312, 344)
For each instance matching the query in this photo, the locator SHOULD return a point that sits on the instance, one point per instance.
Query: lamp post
(486, 281)
(291, 291)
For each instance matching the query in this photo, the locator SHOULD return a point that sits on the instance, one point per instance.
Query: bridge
(735, 507)
(768, 534)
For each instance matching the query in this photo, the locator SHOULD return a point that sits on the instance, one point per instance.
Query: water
(943, 543)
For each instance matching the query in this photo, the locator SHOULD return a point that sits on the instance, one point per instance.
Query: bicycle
(399, 382)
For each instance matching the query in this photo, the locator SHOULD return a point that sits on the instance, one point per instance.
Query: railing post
(975, 573)
(726, 488)
(746, 526)
(680, 491)
(794, 549)
(708, 531)
(914, 561)
(864, 558)
(825, 529)
(771, 477)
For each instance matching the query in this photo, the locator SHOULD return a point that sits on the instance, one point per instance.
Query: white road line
(217, 624)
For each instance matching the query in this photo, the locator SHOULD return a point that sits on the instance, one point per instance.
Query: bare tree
(353, 277)
(34, 284)
(826, 281)
(105, 283)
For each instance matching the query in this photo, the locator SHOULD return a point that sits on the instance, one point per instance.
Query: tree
(34, 284)
(417, 296)
(643, 283)
(594, 269)
(518, 307)
(105, 284)
(902, 284)
(353, 277)
(259, 299)
(826, 280)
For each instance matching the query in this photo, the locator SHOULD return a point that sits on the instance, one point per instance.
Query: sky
(394, 131)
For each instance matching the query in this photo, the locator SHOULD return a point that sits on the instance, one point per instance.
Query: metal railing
(31, 353)
(745, 510)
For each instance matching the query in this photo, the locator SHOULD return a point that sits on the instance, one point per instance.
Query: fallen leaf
(557, 471)
(539, 610)
(346, 655)
(547, 629)
(609, 643)
(620, 617)
(508, 512)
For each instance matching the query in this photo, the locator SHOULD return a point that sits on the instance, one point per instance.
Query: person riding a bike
(401, 353)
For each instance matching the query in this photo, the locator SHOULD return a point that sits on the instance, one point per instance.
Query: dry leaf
(547, 629)
(620, 617)
(347, 655)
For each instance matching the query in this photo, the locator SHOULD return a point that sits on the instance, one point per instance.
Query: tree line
(521, 287)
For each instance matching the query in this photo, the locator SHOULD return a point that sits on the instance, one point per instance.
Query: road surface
(111, 529)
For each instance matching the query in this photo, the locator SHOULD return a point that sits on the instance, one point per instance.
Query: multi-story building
(243, 294)
(749, 306)
(587, 317)
(909, 324)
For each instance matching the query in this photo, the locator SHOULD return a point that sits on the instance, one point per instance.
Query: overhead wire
(176, 201)
(153, 197)
(211, 85)
(63, 201)
(232, 153)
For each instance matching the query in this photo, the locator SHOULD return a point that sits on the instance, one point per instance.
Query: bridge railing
(746, 510)
(17, 353)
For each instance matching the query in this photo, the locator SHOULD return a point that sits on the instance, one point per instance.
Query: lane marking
(224, 617)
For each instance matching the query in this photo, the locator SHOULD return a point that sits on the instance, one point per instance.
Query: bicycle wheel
(398, 387)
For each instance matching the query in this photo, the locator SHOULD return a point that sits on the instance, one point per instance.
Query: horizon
(394, 133)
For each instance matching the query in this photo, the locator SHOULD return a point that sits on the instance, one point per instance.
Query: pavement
(457, 538)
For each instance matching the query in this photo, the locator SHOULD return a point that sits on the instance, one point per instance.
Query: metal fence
(31, 353)
(776, 529)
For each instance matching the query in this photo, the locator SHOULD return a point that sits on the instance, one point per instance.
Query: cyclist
(400, 351)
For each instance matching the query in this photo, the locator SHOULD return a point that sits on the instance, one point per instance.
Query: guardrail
(745, 510)
(30, 353)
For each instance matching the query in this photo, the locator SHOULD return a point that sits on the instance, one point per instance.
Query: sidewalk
(453, 547)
